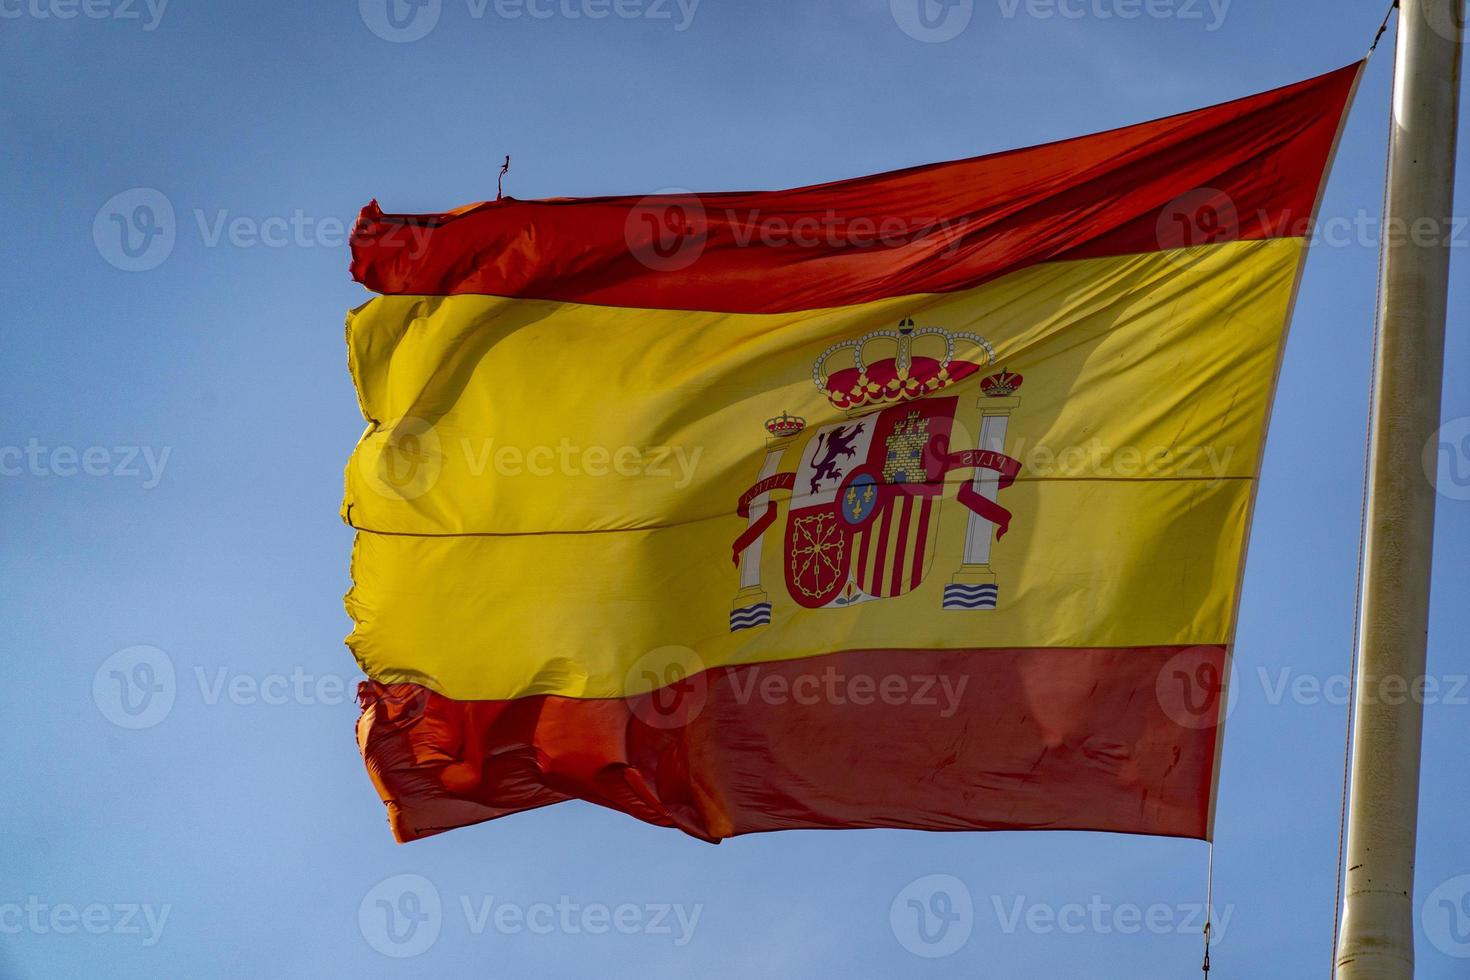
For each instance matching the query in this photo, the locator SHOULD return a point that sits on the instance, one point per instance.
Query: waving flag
(917, 500)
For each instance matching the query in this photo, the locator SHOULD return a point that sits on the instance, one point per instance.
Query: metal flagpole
(1377, 935)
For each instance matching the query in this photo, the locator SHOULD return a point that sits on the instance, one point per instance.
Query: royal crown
(784, 425)
(903, 374)
(1000, 385)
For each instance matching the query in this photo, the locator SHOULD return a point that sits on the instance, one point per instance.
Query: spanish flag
(917, 500)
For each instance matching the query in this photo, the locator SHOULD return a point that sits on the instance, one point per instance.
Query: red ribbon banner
(781, 481)
(1005, 469)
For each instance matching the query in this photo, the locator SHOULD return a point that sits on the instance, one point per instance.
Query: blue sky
(231, 830)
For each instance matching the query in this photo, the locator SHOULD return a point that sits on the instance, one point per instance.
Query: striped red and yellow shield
(981, 438)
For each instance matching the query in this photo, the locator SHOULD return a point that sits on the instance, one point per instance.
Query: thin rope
(1209, 904)
(1347, 754)
(1383, 27)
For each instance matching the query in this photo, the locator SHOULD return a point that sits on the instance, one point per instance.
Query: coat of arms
(863, 515)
